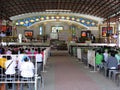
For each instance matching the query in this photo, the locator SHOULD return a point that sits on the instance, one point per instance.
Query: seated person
(20, 59)
(98, 59)
(27, 72)
(10, 69)
(27, 69)
(112, 62)
(10, 66)
(3, 59)
(105, 54)
(118, 58)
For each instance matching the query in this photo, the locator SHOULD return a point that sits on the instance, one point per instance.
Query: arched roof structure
(99, 8)
(84, 20)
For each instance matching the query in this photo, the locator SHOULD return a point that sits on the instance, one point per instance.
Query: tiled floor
(65, 73)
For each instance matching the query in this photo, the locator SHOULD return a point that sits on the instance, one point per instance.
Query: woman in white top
(27, 69)
(10, 66)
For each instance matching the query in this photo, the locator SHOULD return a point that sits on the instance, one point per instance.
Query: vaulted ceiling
(99, 8)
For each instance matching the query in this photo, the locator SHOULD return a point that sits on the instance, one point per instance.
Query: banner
(91, 57)
(79, 53)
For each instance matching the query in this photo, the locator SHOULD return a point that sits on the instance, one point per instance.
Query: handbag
(9, 65)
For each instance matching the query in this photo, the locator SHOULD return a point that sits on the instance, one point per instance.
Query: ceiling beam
(103, 8)
(110, 10)
(90, 6)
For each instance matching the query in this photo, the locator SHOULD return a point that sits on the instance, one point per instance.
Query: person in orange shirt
(2, 61)
(2, 65)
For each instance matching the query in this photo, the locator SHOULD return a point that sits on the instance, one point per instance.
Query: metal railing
(17, 81)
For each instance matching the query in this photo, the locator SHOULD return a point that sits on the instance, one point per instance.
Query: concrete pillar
(118, 30)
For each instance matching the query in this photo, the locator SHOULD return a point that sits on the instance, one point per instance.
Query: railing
(16, 79)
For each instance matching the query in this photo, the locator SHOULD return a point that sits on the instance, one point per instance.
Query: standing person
(34, 54)
(43, 53)
(29, 53)
(39, 60)
(2, 34)
(36, 51)
(0, 50)
(9, 51)
(3, 51)
(26, 50)
(33, 50)
(92, 38)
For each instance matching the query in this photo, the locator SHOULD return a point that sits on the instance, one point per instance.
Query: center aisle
(64, 73)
